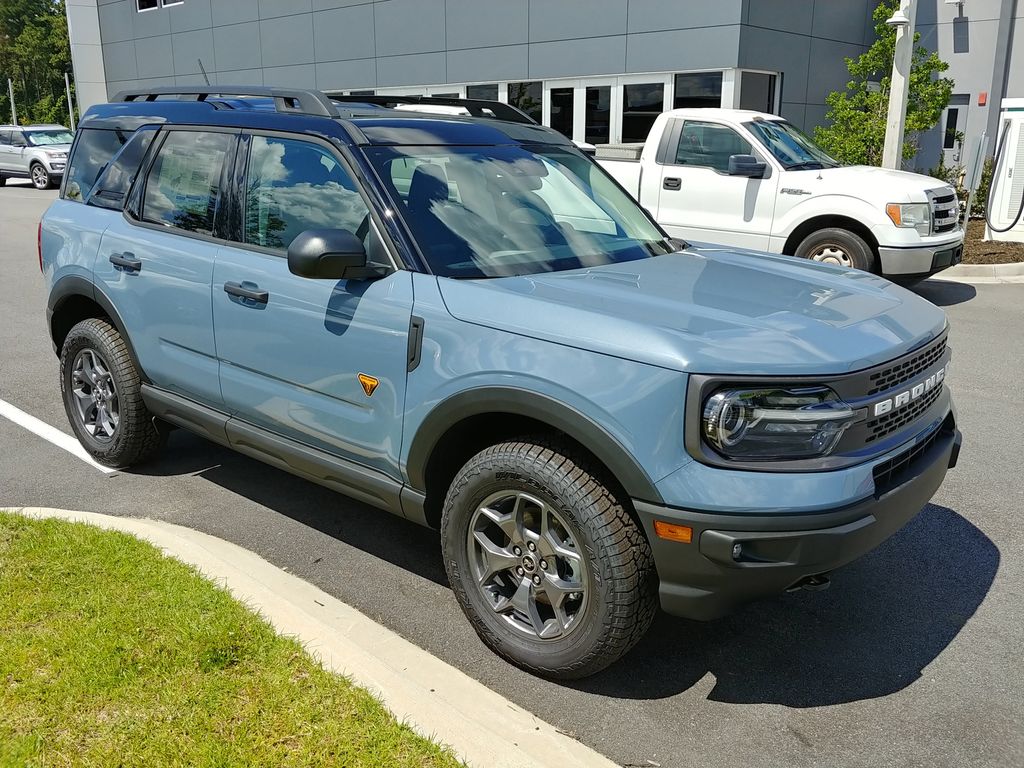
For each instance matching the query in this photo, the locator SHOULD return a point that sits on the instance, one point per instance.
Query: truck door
(699, 200)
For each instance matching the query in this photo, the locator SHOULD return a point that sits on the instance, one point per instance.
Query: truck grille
(895, 375)
(894, 420)
(891, 473)
(945, 210)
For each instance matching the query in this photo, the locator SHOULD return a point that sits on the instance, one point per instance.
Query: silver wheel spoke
(496, 559)
(523, 601)
(95, 395)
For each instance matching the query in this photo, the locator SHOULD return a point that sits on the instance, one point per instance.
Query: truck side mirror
(330, 254)
(746, 165)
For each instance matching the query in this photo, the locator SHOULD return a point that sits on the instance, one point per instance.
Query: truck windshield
(43, 138)
(497, 211)
(791, 147)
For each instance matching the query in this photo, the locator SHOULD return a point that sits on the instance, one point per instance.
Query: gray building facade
(598, 70)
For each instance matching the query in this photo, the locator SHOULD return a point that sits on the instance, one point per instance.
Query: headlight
(910, 215)
(775, 423)
(56, 155)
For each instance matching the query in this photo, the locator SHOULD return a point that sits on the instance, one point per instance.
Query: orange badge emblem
(369, 383)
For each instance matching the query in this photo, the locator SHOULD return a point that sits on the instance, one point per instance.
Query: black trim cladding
(520, 402)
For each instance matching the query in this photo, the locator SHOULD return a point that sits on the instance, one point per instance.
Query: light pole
(903, 20)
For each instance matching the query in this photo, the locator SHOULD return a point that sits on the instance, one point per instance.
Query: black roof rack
(476, 107)
(289, 100)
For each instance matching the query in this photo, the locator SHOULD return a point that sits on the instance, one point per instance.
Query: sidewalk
(437, 700)
(983, 273)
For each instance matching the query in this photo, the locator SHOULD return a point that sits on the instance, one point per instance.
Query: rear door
(699, 200)
(155, 263)
(291, 360)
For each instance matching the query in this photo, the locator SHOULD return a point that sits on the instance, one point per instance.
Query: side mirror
(330, 254)
(746, 165)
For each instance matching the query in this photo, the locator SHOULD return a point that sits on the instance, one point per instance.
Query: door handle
(126, 261)
(672, 182)
(253, 294)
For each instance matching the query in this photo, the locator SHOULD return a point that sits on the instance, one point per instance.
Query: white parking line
(50, 434)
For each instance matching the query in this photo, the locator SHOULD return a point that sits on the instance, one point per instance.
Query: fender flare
(75, 285)
(520, 402)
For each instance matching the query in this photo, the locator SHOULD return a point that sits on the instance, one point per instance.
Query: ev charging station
(1005, 211)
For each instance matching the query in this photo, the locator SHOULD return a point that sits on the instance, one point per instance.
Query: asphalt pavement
(914, 657)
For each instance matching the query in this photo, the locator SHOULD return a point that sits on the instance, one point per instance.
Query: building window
(597, 127)
(949, 135)
(757, 91)
(641, 104)
(167, 3)
(485, 92)
(698, 89)
(367, 92)
(562, 110)
(147, 5)
(526, 97)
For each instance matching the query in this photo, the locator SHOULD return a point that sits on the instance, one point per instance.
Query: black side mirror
(330, 254)
(746, 165)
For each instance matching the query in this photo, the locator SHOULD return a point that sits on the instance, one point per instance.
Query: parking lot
(914, 657)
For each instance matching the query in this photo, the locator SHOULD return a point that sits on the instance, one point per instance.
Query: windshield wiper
(808, 166)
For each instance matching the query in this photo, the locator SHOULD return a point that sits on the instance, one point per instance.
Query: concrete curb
(436, 699)
(984, 273)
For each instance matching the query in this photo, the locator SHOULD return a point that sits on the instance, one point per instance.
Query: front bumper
(919, 262)
(704, 579)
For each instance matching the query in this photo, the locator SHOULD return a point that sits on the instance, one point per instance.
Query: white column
(892, 153)
(731, 89)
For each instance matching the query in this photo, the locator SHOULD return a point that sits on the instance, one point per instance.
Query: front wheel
(545, 561)
(40, 177)
(102, 396)
(839, 247)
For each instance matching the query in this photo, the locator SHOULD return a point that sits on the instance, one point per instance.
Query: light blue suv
(464, 321)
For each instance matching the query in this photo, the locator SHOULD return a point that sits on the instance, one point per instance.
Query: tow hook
(815, 583)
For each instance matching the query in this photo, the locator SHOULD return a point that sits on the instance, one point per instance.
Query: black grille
(894, 420)
(893, 472)
(903, 371)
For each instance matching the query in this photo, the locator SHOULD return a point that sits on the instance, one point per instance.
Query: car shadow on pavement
(385, 536)
(945, 293)
(884, 619)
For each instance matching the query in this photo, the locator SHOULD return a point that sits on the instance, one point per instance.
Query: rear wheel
(545, 561)
(839, 247)
(102, 396)
(40, 176)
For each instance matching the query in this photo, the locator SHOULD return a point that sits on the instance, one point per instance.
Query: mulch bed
(977, 251)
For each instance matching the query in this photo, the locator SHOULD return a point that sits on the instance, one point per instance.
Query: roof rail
(476, 107)
(290, 100)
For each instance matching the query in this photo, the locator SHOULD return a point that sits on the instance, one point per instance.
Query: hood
(861, 180)
(709, 310)
(51, 147)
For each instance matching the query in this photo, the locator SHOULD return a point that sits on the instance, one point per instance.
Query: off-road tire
(137, 438)
(859, 252)
(622, 599)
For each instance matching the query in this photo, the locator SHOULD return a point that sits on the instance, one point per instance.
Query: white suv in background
(36, 152)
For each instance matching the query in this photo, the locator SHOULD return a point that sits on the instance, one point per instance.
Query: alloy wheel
(40, 178)
(95, 395)
(527, 565)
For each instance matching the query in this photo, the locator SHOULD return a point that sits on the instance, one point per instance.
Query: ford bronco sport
(465, 321)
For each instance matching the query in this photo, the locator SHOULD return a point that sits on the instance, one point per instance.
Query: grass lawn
(113, 654)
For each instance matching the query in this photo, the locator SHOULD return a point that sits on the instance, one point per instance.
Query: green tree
(858, 115)
(35, 54)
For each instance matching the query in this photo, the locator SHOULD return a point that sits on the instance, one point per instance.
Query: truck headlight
(911, 216)
(775, 422)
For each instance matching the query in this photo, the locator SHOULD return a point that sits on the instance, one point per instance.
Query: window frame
(240, 175)
(138, 9)
(134, 201)
(673, 156)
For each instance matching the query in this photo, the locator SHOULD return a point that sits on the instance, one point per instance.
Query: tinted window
(112, 185)
(526, 97)
(183, 187)
(757, 91)
(709, 145)
(641, 104)
(90, 154)
(293, 186)
(598, 114)
(486, 92)
(18, 139)
(562, 110)
(700, 89)
(5, 137)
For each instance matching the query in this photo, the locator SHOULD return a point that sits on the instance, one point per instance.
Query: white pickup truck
(752, 180)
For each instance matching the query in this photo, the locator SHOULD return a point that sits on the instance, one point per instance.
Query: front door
(699, 200)
(320, 361)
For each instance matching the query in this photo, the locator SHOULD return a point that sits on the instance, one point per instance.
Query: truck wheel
(548, 566)
(101, 391)
(840, 247)
(40, 176)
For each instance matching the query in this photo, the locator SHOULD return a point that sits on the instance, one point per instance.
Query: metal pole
(892, 154)
(71, 107)
(14, 112)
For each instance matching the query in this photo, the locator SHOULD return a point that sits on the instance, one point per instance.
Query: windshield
(791, 147)
(55, 136)
(509, 210)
